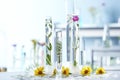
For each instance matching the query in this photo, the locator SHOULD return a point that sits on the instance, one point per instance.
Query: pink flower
(41, 43)
(75, 18)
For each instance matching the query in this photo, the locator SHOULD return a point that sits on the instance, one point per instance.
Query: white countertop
(14, 76)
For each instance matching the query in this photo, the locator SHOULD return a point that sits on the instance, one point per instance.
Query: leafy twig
(48, 26)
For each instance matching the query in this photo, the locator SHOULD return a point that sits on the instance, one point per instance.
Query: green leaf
(58, 47)
(78, 25)
(50, 35)
(75, 63)
(50, 26)
(50, 45)
(46, 25)
(48, 59)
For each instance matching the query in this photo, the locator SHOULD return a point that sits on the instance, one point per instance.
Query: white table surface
(13, 76)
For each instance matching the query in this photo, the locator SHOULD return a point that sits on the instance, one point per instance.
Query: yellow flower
(65, 71)
(100, 71)
(54, 72)
(34, 43)
(86, 70)
(39, 71)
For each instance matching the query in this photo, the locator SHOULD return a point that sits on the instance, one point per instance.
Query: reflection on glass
(59, 51)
